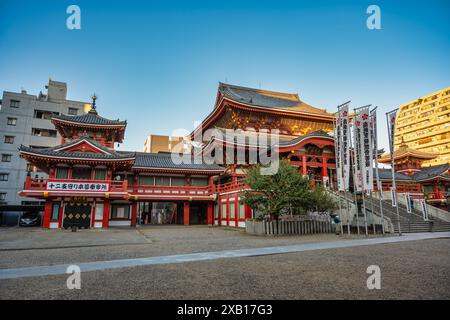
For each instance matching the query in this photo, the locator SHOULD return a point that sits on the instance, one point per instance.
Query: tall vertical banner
(345, 147)
(366, 149)
(337, 150)
(391, 117)
(356, 151)
(374, 135)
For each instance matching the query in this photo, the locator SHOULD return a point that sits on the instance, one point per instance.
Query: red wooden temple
(92, 185)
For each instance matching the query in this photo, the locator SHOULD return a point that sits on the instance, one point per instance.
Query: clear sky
(158, 63)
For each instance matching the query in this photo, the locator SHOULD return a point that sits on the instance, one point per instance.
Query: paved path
(202, 256)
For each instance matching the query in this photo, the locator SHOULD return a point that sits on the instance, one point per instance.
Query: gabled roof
(90, 118)
(432, 172)
(386, 174)
(61, 151)
(269, 99)
(164, 161)
(313, 134)
(404, 151)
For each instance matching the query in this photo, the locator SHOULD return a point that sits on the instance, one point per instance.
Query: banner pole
(394, 186)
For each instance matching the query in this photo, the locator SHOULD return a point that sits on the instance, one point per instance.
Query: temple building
(92, 185)
(424, 124)
(431, 182)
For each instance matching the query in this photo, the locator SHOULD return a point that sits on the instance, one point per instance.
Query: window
(62, 173)
(199, 182)
(43, 114)
(162, 181)
(2, 196)
(100, 174)
(6, 157)
(73, 111)
(55, 211)
(99, 211)
(241, 211)
(4, 176)
(43, 132)
(81, 173)
(120, 211)
(224, 210)
(9, 139)
(232, 212)
(14, 103)
(216, 211)
(12, 121)
(147, 180)
(178, 181)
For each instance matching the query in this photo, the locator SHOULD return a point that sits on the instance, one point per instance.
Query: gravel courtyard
(409, 270)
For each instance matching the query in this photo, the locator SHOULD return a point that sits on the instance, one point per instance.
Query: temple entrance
(198, 213)
(160, 213)
(77, 215)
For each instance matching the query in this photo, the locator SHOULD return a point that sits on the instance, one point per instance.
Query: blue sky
(158, 63)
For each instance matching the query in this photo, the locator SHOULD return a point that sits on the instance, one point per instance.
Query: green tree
(322, 201)
(287, 191)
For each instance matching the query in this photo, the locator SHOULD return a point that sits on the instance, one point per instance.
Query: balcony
(61, 187)
(171, 192)
(437, 196)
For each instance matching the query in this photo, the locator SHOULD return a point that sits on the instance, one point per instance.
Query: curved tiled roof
(269, 99)
(54, 152)
(90, 118)
(318, 133)
(164, 161)
(431, 172)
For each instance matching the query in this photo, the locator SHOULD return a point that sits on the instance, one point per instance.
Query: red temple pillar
(236, 210)
(304, 165)
(47, 214)
(106, 211)
(210, 214)
(248, 212)
(186, 213)
(133, 213)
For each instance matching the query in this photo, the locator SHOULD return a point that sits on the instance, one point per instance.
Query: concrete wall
(22, 133)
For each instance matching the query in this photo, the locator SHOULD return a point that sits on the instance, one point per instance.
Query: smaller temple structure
(431, 182)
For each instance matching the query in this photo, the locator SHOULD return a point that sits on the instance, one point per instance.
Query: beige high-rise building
(424, 125)
(160, 143)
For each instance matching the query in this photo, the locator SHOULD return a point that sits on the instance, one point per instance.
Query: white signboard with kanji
(77, 186)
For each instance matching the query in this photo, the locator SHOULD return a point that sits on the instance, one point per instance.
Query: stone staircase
(409, 222)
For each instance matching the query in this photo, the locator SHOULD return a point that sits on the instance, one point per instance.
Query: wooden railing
(171, 190)
(37, 184)
(437, 195)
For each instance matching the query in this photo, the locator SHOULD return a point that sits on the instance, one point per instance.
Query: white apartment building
(25, 119)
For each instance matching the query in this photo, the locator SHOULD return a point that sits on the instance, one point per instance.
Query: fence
(288, 227)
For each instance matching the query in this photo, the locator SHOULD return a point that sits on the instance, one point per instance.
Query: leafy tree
(287, 191)
(322, 201)
(278, 193)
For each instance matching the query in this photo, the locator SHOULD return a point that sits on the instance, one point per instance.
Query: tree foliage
(287, 191)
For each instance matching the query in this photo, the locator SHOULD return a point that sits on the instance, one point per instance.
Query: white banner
(77, 186)
(338, 151)
(366, 149)
(373, 123)
(345, 147)
(391, 117)
(356, 152)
